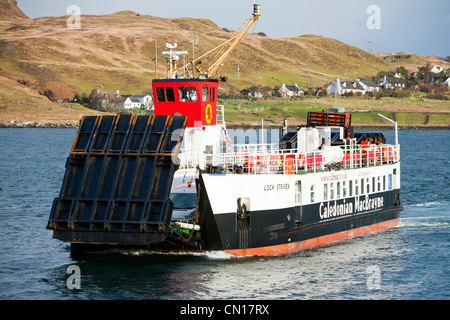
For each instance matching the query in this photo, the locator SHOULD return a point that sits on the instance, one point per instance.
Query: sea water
(409, 262)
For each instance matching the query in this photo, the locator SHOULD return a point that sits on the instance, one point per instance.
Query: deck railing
(268, 159)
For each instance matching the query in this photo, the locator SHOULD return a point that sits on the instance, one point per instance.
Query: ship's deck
(268, 159)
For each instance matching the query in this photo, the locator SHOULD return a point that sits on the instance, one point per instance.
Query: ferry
(174, 181)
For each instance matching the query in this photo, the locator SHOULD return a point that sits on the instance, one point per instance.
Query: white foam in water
(214, 255)
(220, 255)
(425, 222)
(429, 204)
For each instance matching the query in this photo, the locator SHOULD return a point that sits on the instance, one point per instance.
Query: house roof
(285, 89)
(293, 88)
(353, 85)
(392, 80)
(440, 78)
(369, 83)
(252, 89)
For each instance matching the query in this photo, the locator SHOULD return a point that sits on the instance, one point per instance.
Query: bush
(24, 82)
(438, 96)
(50, 94)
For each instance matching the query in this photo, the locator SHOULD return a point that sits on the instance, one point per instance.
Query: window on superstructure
(187, 94)
(356, 188)
(312, 193)
(170, 94)
(332, 191)
(373, 184)
(205, 94)
(298, 192)
(384, 183)
(325, 191)
(350, 188)
(362, 186)
(368, 185)
(379, 183)
(160, 94)
(344, 189)
(212, 94)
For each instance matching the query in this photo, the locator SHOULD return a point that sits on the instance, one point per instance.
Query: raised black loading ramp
(117, 182)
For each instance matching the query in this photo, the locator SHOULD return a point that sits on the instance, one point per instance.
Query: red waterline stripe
(314, 242)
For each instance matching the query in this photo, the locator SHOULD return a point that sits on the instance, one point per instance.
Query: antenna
(173, 57)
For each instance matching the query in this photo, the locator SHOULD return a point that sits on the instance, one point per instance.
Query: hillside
(117, 52)
(22, 106)
(9, 9)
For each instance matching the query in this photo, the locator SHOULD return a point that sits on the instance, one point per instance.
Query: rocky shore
(19, 124)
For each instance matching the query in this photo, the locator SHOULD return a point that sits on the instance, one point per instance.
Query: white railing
(268, 159)
(220, 115)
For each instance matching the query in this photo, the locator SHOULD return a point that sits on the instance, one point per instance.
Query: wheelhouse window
(205, 94)
(212, 94)
(187, 94)
(160, 94)
(170, 94)
(166, 94)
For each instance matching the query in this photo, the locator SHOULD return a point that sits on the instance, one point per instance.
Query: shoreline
(22, 125)
(232, 125)
(361, 127)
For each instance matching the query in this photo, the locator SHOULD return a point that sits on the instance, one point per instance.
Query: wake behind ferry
(174, 181)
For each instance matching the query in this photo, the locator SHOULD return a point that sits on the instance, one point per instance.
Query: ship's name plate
(349, 206)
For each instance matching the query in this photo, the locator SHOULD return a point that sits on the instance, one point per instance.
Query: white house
(138, 101)
(447, 82)
(252, 92)
(392, 83)
(289, 91)
(437, 69)
(131, 103)
(295, 90)
(369, 86)
(340, 87)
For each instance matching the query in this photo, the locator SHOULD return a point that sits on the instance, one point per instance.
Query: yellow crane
(219, 54)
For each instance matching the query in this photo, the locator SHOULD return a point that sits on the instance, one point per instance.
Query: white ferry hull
(288, 213)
